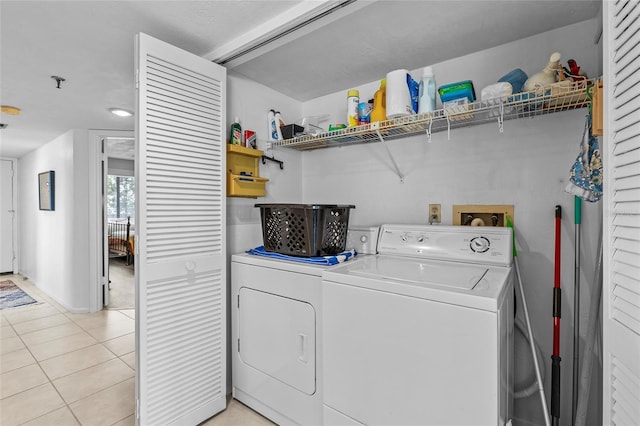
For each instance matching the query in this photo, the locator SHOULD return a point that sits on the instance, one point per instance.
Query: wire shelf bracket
(393, 160)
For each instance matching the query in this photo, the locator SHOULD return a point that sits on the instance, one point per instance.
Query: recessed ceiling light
(121, 112)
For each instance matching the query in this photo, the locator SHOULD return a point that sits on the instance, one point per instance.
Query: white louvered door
(621, 302)
(180, 236)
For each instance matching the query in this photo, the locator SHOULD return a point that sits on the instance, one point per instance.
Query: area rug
(11, 295)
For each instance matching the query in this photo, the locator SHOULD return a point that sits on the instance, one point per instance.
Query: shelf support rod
(429, 129)
(501, 118)
(393, 160)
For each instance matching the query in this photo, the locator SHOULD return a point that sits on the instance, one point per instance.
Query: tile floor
(59, 368)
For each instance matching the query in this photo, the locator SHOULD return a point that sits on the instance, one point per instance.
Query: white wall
(251, 102)
(527, 166)
(54, 245)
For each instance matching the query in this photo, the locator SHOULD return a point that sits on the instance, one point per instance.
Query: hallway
(59, 368)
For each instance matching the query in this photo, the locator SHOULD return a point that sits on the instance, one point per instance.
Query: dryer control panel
(475, 244)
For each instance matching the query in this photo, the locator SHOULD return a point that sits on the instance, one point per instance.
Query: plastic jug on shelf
(548, 75)
(427, 91)
(379, 112)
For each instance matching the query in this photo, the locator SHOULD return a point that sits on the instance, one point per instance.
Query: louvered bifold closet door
(621, 319)
(180, 229)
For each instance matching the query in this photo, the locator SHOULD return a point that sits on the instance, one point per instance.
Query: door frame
(98, 248)
(16, 217)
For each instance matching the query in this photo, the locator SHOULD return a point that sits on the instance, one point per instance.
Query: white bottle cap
(237, 120)
(427, 72)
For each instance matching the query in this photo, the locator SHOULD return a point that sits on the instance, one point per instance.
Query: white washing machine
(277, 333)
(422, 333)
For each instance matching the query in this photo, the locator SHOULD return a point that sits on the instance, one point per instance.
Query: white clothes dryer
(422, 333)
(277, 334)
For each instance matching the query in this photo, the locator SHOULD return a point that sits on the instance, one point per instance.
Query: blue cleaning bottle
(427, 91)
(274, 126)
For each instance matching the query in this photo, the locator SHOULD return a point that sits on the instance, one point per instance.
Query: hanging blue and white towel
(585, 179)
(318, 260)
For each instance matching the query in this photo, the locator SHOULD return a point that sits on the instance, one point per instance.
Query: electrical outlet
(435, 215)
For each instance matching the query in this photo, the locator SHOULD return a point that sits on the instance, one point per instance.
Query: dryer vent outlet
(482, 215)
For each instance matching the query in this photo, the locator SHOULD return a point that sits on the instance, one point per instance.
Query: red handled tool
(555, 356)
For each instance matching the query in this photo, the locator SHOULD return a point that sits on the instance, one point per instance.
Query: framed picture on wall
(46, 190)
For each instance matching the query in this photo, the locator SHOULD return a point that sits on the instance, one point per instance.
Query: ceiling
(91, 45)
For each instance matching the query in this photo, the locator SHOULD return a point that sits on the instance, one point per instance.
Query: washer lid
(419, 272)
(459, 283)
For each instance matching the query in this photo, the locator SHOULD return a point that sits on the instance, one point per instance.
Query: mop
(585, 182)
(534, 356)
(585, 376)
(577, 215)
(555, 356)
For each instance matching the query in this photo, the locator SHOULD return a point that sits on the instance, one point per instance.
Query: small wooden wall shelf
(243, 172)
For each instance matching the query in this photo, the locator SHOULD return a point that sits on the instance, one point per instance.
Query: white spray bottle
(546, 77)
(274, 127)
(279, 124)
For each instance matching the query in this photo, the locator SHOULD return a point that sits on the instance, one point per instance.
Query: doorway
(119, 207)
(7, 216)
(105, 144)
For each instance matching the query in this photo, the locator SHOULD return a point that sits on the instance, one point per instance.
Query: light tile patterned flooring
(59, 368)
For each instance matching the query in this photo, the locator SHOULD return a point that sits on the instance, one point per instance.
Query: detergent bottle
(379, 112)
(427, 91)
(548, 75)
(235, 137)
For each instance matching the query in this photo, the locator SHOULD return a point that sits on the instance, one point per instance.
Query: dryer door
(277, 337)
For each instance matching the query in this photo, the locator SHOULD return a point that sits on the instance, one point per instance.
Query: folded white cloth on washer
(318, 260)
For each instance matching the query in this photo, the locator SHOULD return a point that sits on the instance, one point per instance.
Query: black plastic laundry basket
(305, 229)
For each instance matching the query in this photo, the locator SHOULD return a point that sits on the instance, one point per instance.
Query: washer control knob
(479, 244)
(364, 239)
(404, 237)
(420, 238)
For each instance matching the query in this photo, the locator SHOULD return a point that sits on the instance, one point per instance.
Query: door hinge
(238, 301)
(137, 79)
(137, 408)
(238, 345)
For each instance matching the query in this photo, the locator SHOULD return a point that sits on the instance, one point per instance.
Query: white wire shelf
(520, 105)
